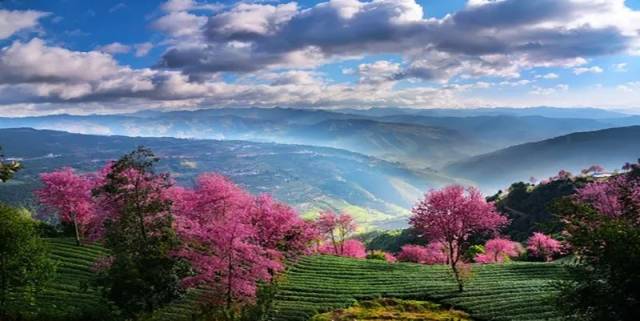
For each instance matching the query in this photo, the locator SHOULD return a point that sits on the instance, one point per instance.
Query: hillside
(509, 292)
(413, 144)
(500, 131)
(419, 138)
(573, 152)
(375, 191)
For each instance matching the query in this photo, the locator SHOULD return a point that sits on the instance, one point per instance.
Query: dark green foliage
(258, 311)
(604, 285)
(143, 276)
(24, 262)
(528, 206)
(391, 241)
(7, 169)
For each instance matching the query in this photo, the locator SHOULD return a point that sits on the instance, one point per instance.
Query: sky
(84, 57)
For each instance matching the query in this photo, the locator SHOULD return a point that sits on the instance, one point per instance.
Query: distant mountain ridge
(311, 178)
(408, 136)
(610, 148)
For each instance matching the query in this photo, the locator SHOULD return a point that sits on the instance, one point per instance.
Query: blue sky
(112, 56)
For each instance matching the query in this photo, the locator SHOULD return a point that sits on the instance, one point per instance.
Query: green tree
(24, 261)
(138, 230)
(7, 168)
(603, 228)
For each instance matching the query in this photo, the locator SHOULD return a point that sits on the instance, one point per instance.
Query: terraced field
(67, 296)
(516, 291)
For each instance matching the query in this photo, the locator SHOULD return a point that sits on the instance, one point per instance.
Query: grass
(393, 309)
(515, 291)
(68, 296)
(319, 284)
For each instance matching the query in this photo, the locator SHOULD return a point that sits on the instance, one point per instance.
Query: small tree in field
(24, 262)
(498, 250)
(8, 168)
(337, 228)
(451, 215)
(136, 222)
(543, 246)
(69, 195)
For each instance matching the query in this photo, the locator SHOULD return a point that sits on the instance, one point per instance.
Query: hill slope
(609, 147)
(507, 292)
(375, 191)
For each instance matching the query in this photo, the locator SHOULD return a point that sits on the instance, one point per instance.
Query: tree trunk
(75, 227)
(335, 245)
(454, 267)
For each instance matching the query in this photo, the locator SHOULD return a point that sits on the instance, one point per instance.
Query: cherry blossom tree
(413, 253)
(543, 246)
(337, 228)
(349, 248)
(279, 228)
(68, 194)
(451, 215)
(498, 250)
(433, 253)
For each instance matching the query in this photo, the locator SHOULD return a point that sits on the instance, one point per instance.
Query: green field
(316, 284)
(515, 291)
(68, 295)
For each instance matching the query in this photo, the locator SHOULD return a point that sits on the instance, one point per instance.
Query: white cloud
(629, 87)
(142, 49)
(550, 75)
(549, 91)
(12, 21)
(621, 67)
(583, 70)
(114, 48)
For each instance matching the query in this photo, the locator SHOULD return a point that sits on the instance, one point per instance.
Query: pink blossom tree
(219, 239)
(451, 215)
(337, 228)
(234, 240)
(498, 250)
(543, 246)
(279, 228)
(413, 253)
(433, 253)
(349, 248)
(68, 194)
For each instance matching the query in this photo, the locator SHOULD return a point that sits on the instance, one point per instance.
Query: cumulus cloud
(142, 49)
(591, 70)
(486, 38)
(114, 48)
(550, 75)
(548, 91)
(12, 21)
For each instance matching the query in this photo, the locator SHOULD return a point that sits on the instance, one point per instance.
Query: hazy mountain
(553, 112)
(308, 177)
(415, 140)
(610, 148)
(501, 131)
(415, 145)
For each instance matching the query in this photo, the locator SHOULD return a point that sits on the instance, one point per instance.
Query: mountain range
(311, 178)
